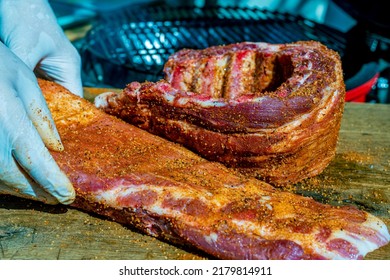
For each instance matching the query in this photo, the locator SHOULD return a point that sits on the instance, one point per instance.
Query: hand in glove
(31, 40)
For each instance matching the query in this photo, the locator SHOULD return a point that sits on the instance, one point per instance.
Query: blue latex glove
(32, 41)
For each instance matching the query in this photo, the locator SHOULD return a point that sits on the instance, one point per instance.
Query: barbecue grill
(133, 43)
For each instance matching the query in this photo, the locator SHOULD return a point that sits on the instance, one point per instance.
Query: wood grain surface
(359, 175)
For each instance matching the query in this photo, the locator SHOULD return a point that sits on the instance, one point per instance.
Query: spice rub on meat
(168, 192)
(269, 110)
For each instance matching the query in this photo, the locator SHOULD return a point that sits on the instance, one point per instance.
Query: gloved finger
(14, 181)
(40, 165)
(62, 67)
(29, 150)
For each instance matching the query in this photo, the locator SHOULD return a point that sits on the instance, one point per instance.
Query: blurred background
(124, 41)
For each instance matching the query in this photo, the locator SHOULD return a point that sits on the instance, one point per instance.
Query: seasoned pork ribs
(270, 111)
(168, 192)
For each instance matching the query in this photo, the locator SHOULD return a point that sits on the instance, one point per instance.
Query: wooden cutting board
(359, 175)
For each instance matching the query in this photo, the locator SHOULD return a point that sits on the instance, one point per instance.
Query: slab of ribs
(165, 190)
(269, 111)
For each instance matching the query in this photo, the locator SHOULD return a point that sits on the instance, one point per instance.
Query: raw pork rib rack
(163, 189)
(272, 111)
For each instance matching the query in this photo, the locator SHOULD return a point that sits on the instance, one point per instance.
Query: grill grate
(134, 43)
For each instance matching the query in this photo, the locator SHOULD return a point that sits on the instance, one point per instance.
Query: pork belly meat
(166, 191)
(270, 111)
